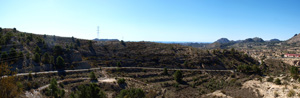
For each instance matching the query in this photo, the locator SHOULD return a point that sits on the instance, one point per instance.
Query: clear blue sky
(155, 20)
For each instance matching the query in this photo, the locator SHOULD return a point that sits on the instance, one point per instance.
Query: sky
(155, 20)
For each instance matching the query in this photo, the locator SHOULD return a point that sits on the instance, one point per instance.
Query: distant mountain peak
(223, 40)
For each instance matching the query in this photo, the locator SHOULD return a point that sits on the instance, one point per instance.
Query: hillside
(294, 39)
(41, 52)
(115, 66)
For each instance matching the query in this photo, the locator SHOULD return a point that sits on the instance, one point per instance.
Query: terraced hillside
(29, 52)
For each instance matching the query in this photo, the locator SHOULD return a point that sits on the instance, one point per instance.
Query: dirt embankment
(271, 90)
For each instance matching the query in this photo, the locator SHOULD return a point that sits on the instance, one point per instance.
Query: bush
(276, 94)
(291, 93)
(178, 76)
(277, 82)
(131, 93)
(121, 81)
(270, 79)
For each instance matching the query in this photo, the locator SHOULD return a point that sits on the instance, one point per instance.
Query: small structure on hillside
(291, 55)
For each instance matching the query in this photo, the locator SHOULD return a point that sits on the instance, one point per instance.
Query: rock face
(294, 39)
(223, 40)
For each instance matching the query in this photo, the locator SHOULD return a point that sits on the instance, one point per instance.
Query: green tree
(46, 58)
(123, 43)
(89, 91)
(54, 38)
(0, 29)
(178, 76)
(119, 64)
(121, 81)
(78, 42)
(93, 76)
(165, 71)
(14, 30)
(37, 58)
(4, 55)
(294, 72)
(90, 44)
(73, 39)
(52, 60)
(37, 49)
(60, 62)
(21, 55)
(12, 53)
(277, 82)
(54, 91)
(244, 68)
(57, 50)
(29, 37)
(131, 93)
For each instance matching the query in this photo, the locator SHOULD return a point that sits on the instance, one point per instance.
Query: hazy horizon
(155, 20)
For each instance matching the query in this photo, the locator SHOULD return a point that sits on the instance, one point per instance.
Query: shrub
(178, 76)
(277, 82)
(291, 93)
(276, 94)
(131, 93)
(121, 81)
